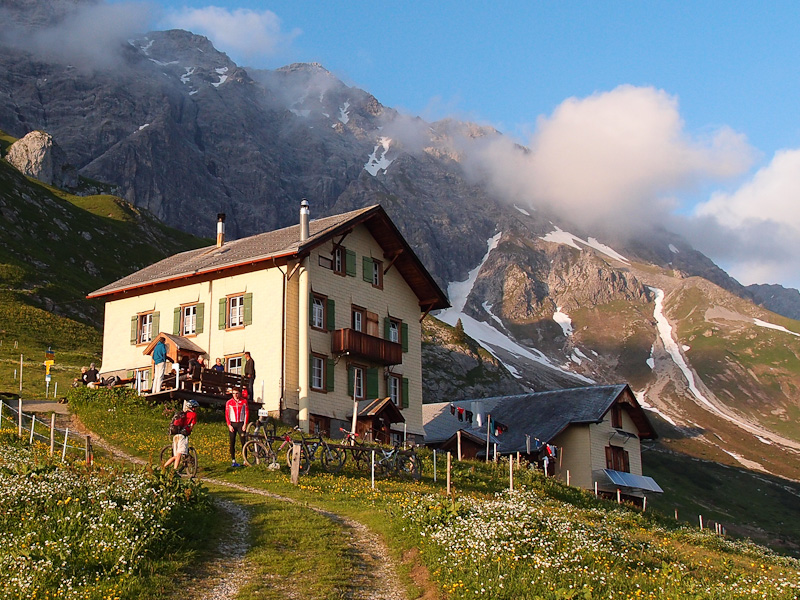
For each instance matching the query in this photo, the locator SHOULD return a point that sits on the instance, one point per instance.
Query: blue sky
(712, 87)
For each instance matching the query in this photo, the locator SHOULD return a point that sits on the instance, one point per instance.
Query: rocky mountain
(784, 301)
(185, 133)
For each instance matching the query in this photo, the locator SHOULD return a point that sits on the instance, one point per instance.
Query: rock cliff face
(37, 155)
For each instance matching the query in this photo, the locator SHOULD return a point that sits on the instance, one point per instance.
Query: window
(359, 318)
(344, 261)
(356, 383)
(317, 312)
(373, 271)
(144, 327)
(188, 319)
(617, 459)
(338, 260)
(142, 379)
(325, 262)
(393, 388)
(235, 311)
(616, 416)
(396, 331)
(317, 373)
(234, 364)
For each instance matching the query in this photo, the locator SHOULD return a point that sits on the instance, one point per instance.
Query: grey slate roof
(244, 251)
(541, 415)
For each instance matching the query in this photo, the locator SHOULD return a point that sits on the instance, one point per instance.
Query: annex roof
(541, 415)
(264, 248)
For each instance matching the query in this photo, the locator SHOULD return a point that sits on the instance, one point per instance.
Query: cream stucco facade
(278, 328)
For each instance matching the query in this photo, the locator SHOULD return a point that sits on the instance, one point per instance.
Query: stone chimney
(304, 220)
(220, 229)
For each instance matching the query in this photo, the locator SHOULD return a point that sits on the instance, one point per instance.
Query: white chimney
(220, 229)
(304, 220)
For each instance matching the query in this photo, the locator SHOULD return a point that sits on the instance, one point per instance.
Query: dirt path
(375, 577)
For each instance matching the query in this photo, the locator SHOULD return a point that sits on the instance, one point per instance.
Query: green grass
(551, 541)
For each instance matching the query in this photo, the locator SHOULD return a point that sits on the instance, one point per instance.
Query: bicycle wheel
(305, 464)
(333, 458)
(166, 454)
(190, 463)
(408, 466)
(256, 452)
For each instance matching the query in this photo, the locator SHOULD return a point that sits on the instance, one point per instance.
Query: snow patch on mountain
(185, 77)
(564, 321)
(377, 163)
(559, 236)
(673, 249)
(344, 112)
(640, 396)
(222, 76)
(523, 211)
(484, 333)
(761, 323)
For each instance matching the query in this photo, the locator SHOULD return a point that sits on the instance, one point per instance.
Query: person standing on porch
(160, 362)
(249, 374)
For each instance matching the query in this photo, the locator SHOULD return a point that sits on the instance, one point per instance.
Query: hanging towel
(468, 415)
(460, 413)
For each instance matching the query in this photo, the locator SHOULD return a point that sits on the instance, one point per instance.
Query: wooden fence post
(644, 504)
(296, 464)
(88, 451)
(567, 476)
(19, 417)
(372, 476)
(510, 473)
(434, 466)
(448, 472)
(33, 422)
(458, 438)
(701, 522)
(52, 433)
(64, 448)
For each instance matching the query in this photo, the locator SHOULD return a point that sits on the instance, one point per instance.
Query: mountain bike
(189, 462)
(394, 461)
(331, 457)
(358, 449)
(258, 447)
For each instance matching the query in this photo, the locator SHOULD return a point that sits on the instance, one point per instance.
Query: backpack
(177, 423)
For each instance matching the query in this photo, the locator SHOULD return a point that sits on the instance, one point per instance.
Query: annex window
(359, 318)
(234, 364)
(235, 311)
(617, 459)
(188, 319)
(373, 271)
(325, 262)
(143, 327)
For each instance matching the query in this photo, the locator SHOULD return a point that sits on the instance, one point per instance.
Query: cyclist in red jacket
(236, 415)
(180, 441)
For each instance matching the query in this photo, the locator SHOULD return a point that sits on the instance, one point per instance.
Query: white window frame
(318, 312)
(236, 311)
(317, 373)
(394, 389)
(358, 383)
(377, 274)
(394, 331)
(234, 364)
(338, 260)
(146, 328)
(142, 379)
(189, 320)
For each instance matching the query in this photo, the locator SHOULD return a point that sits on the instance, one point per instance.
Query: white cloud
(755, 231)
(615, 157)
(242, 32)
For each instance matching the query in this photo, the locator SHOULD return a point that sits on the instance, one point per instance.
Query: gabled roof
(380, 406)
(180, 342)
(263, 249)
(541, 415)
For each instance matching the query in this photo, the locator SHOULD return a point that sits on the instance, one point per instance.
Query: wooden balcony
(367, 347)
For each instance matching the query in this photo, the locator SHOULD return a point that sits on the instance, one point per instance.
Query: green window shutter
(200, 317)
(387, 323)
(331, 315)
(223, 312)
(329, 374)
(350, 381)
(350, 263)
(404, 337)
(248, 309)
(156, 323)
(310, 371)
(131, 374)
(404, 392)
(366, 268)
(310, 309)
(176, 321)
(372, 383)
(134, 329)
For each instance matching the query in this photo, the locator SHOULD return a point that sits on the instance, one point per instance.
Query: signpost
(49, 361)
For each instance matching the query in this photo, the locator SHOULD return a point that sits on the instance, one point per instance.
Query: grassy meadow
(543, 540)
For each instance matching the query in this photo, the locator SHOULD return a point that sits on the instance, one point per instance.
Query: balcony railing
(367, 347)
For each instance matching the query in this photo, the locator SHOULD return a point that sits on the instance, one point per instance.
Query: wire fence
(30, 427)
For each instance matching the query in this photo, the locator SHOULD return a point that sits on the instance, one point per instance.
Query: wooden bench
(217, 382)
